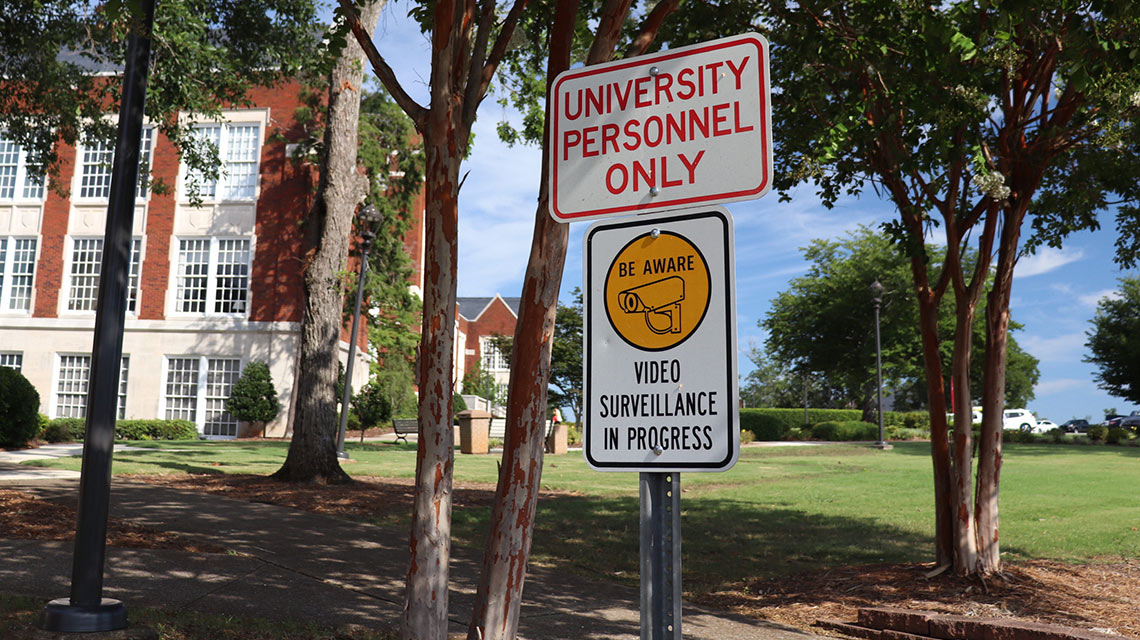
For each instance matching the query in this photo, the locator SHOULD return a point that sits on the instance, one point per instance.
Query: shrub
(1057, 435)
(1098, 432)
(746, 436)
(253, 398)
(845, 431)
(55, 432)
(19, 409)
(74, 426)
(1018, 436)
(371, 406)
(155, 430)
(774, 424)
(1116, 435)
(457, 404)
(573, 434)
(907, 419)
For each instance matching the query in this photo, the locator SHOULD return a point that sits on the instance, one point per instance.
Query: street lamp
(368, 217)
(877, 298)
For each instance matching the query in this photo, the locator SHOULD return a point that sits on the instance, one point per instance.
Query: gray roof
(87, 62)
(470, 308)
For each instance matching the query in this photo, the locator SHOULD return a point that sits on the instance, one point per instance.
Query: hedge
(845, 431)
(133, 429)
(775, 424)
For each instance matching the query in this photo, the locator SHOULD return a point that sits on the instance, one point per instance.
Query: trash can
(474, 431)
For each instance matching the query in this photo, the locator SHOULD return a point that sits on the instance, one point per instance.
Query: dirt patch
(1103, 595)
(26, 517)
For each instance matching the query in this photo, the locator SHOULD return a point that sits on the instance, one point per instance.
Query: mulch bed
(26, 517)
(1104, 595)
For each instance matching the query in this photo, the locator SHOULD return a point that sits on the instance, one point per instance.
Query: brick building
(479, 320)
(212, 287)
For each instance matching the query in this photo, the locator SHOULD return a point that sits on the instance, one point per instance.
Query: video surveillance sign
(660, 344)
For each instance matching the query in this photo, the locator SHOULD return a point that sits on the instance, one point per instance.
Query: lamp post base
(342, 455)
(61, 616)
(884, 446)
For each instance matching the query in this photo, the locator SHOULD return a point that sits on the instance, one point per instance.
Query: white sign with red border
(685, 127)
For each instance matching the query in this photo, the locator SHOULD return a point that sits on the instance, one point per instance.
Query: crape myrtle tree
(1114, 342)
(973, 117)
(823, 323)
(463, 64)
(469, 40)
(556, 33)
(206, 56)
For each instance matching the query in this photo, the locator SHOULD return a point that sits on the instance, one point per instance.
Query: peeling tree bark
(312, 450)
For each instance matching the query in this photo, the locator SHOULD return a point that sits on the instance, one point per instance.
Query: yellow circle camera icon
(657, 290)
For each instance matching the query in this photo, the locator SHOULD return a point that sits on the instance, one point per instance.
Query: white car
(1046, 425)
(1020, 420)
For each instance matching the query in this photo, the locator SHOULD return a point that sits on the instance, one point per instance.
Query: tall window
(238, 148)
(86, 262)
(95, 169)
(493, 359)
(17, 273)
(213, 275)
(16, 181)
(12, 359)
(72, 383)
(193, 382)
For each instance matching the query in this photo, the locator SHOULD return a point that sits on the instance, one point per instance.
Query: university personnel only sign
(685, 127)
(660, 343)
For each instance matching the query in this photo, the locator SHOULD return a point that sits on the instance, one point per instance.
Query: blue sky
(1054, 292)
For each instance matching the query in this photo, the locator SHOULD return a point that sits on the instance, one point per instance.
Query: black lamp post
(877, 298)
(368, 217)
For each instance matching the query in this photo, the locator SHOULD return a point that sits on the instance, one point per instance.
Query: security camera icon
(660, 301)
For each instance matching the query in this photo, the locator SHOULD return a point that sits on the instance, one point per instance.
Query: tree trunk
(312, 451)
(939, 437)
(961, 478)
(499, 596)
(993, 398)
(425, 600)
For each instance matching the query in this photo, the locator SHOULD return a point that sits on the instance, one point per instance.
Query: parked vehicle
(1131, 422)
(1112, 420)
(1046, 425)
(1076, 426)
(1019, 419)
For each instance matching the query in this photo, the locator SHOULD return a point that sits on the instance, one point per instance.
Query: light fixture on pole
(877, 290)
(368, 217)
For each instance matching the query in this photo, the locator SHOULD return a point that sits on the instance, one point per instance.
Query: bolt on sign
(660, 343)
(685, 127)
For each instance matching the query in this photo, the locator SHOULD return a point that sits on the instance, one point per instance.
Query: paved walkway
(294, 564)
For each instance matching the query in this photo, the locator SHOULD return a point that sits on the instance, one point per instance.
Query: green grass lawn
(781, 510)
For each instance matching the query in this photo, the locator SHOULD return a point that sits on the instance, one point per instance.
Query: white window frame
(12, 359)
(103, 169)
(221, 189)
(134, 275)
(211, 276)
(202, 399)
(488, 351)
(23, 181)
(7, 258)
(121, 400)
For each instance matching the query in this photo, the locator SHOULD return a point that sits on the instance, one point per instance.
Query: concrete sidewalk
(294, 564)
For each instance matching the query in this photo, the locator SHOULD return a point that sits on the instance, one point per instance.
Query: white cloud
(1045, 260)
(1092, 299)
(1060, 384)
(1064, 347)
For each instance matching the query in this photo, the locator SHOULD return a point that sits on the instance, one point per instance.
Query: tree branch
(609, 29)
(478, 57)
(380, 67)
(497, 52)
(647, 33)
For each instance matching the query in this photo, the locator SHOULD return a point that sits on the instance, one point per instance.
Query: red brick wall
(276, 292)
(159, 226)
(496, 319)
(53, 230)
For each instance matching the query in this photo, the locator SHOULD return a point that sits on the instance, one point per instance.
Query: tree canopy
(1114, 342)
(206, 55)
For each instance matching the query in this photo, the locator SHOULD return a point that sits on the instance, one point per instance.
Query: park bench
(404, 426)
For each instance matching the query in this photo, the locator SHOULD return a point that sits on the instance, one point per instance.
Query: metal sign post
(660, 556)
